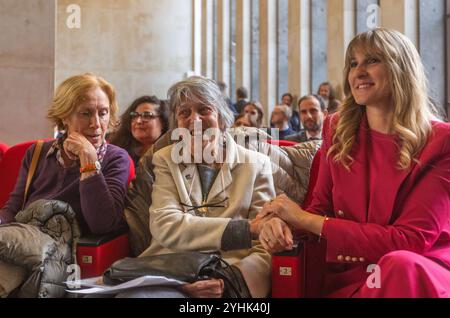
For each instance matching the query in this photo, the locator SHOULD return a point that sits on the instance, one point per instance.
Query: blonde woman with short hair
(79, 168)
(383, 191)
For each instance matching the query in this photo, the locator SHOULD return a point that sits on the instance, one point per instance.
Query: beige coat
(246, 185)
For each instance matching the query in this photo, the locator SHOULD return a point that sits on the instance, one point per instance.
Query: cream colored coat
(246, 185)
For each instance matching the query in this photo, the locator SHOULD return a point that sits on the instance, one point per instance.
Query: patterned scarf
(57, 147)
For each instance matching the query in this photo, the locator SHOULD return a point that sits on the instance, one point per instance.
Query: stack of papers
(97, 288)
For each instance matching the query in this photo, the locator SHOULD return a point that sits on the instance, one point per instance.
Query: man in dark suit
(312, 112)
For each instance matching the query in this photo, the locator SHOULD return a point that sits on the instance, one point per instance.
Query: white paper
(137, 282)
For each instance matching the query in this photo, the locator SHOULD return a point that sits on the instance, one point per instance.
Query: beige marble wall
(140, 46)
(27, 46)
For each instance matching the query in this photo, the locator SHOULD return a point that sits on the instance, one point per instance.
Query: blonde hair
(413, 110)
(71, 92)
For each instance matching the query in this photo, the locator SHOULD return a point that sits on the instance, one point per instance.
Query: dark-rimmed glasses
(145, 116)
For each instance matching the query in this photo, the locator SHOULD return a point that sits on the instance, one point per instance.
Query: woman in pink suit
(383, 192)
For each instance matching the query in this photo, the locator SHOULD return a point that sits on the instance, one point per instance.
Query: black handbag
(185, 266)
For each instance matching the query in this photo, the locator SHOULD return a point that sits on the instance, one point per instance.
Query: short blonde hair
(71, 92)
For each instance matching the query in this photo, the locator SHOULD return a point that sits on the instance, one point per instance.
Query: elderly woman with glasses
(207, 193)
(144, 121)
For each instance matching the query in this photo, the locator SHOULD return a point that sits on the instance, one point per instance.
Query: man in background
(312, 113)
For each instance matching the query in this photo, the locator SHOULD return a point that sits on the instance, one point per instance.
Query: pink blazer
(413, 214)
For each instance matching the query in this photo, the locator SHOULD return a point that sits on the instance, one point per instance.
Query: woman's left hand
(286, 209)
(294, 215)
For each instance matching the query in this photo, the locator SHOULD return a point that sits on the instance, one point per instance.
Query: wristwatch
(96, 166)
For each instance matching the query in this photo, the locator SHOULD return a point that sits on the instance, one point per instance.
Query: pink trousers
(408, 275)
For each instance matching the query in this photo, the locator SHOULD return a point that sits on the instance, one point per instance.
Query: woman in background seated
(383, 192)
(141, 125)
(79, 168)
(208, 191)
(326, 91)
(254, 113)
(241, 121)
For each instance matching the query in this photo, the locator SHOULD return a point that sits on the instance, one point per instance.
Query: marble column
(401, 15)
(223, 45)
(268, 56)
(299, 47)
(207, 38)
(341, 30)
(243, 44)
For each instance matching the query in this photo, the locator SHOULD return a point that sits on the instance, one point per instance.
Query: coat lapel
(191, 180)
(217, 187)
(231, 160)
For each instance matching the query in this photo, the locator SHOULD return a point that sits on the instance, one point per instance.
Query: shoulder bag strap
(32, 170)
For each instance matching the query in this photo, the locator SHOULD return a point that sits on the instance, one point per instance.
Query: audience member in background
(312, 113)
(241, 98)
(254, 113)
(144, 121)
(242, 120)
(326, 91)
(223, 89)
(383, 192)
(280, 120)
(287, 99)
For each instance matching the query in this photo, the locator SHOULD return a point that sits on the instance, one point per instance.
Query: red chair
(3, 148)
(289, 279)
(9, 169)
(94, 253)
(280, 143)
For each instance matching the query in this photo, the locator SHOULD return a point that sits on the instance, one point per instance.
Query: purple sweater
(98, 201)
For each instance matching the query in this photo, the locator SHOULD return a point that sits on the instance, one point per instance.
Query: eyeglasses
(202, 210)
(145, 116)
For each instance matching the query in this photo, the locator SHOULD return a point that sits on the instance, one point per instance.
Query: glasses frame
(145, 116)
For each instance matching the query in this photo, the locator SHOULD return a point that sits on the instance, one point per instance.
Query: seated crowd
(382, 195)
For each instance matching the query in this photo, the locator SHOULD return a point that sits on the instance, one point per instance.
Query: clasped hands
(276, 221)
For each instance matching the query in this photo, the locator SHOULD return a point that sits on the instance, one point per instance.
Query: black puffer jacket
(43, 242)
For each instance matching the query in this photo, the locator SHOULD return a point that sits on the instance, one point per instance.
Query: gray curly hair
(202, 90)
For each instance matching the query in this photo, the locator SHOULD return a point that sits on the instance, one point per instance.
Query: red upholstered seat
(9, 169)
(280, 143)
(3, 148)
(289, 279)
